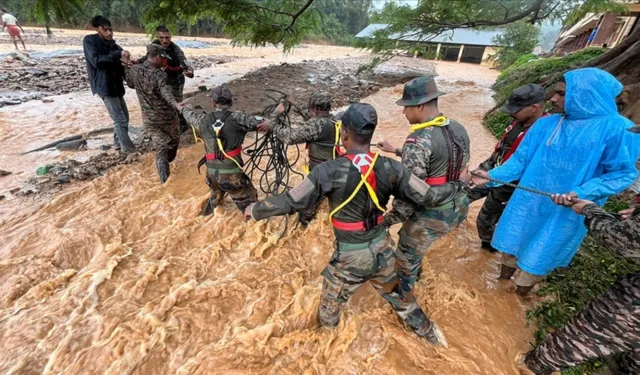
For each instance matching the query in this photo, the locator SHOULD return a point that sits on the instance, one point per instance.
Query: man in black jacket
(106, 75)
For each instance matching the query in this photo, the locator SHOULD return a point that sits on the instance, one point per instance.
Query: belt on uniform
(346, 246)
(358, 225)
(232, 153)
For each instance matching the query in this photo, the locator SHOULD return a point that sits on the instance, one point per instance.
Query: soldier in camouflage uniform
(158, 106)
(610, 324)
(436, 151)
(318, 133)
(223, 132)
(363, 250)
(526, 106)
(176, 69)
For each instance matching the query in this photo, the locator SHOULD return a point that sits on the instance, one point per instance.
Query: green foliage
(567, 291)
(497, 122)
(518, 40)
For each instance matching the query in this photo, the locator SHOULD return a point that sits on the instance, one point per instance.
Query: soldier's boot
(523, 290)
(506, 272)
(436, 337)
(209, 207)
(163, 167)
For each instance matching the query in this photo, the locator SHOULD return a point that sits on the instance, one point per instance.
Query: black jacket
(106, 73)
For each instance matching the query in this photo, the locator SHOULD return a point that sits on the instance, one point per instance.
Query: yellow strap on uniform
(438, 121)
(363, 181)
(224, 153)
(337, 138)
(195, 135)
(307, 170)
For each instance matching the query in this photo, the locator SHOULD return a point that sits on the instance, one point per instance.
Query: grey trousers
(119, 113)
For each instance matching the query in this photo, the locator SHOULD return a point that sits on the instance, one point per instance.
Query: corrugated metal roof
(457, 36)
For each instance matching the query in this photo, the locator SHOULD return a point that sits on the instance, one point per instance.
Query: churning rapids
(121, 275)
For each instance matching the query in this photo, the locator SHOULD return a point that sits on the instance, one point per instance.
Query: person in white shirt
(13, 28)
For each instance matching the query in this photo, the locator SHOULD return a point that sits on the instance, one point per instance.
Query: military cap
(360, 118)
(157, 50)
(320, 100)
(222, 92)
(522, 97)
(419, 91)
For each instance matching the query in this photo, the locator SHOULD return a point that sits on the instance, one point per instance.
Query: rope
(268, 156)
(530, 190)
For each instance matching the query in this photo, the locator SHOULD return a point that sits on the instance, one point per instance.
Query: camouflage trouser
(607, 326)
(237, 185)
(491, 210)
(418, 233)
(165, 140)
(177, 91)
(351, 266)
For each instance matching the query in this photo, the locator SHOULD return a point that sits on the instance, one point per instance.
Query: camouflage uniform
(610, 324)
(319, 134)
(367, 254)
(223, 174)
(177, 64)
(158, 111)
(426, 154)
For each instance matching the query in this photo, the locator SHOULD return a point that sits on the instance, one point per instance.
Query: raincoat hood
(591, 92)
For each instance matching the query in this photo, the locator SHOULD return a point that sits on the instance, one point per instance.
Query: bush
(530, 70)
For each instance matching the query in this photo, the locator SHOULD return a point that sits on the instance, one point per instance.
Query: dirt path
(121, 275)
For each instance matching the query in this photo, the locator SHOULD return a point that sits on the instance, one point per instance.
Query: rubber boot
(506, 272)
(523, 290)
(435, 336)
(487, 246)
(210, 207)
(163, 169)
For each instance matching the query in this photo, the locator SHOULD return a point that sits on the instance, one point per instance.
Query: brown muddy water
(121, 276)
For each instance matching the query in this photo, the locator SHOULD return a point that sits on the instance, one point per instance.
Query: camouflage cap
(361, 118)
(522, 97)
(157, 50)
(320, 100)
(419, 91)
(222, 92)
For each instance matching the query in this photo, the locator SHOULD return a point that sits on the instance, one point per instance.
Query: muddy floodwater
(120, 275)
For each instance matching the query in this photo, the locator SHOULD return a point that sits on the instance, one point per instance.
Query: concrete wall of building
(488, 51)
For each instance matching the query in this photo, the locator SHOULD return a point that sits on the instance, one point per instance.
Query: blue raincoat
(588, 152)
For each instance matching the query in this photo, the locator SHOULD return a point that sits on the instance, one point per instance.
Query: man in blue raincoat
(585, 153)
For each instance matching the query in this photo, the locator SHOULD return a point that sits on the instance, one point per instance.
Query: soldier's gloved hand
(247, 212)
(188, 73)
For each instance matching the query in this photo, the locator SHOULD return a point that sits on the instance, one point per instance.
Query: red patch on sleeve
(411, 140)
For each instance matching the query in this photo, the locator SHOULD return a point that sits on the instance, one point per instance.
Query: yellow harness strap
(337, 138)
(438, 121)
(363, 181)
(222, 149)
(195, 135)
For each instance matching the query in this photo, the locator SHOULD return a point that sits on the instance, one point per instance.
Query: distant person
(13, 28)
(159, 106)
(585, 153)
(525, 106)
(177, 67)
(106, 76)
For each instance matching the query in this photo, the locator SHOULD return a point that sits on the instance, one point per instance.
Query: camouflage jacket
(236, 126)
(318, 133)
(336, 179)
(155, 97)
(425, 154)
(622, 237)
